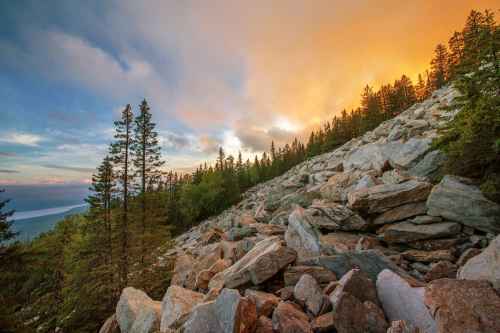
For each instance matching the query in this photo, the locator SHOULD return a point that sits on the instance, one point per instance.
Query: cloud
(19, 138)
(69, 168)
(8, 171)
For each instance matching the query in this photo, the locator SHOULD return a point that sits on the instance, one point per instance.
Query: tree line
(71, 276)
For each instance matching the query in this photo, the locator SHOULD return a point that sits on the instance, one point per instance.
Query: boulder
(234, 251)
(456, 199)
(301, 236)
(401, 213)
(110, 325)
(371, 262)
(265, 259)
(203, 278)
(308, 293)
(394, 176)
(440, 270)
(338, 242)
(381, 198)
(135, 306)
(402, 326)
(229, 313)
(323, 323)
(176, 305)
(358, 283)
(238, 233)
(401, 301)
(406, 154)
(322, 275)
(184, 274)
(466, 255)
(426, 219)
(367, 157)
(429, 166)
(333, 216)
(288, 317)
(335, 189)
(264, 302)
(264, 325)
(428, 256)
(463, 306)
(485, 266)
(405, 232)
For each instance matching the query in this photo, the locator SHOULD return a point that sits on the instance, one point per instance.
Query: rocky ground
(367, 238)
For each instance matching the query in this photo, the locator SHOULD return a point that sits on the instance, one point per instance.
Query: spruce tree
(439, 66)
(5, 231)
(120, 154)
(147, 161)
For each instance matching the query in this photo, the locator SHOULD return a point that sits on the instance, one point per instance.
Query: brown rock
(404, 232)
(428, 256)
(322, 275)
(358, 283)
(176, 305)
(288, 317)
(401, 326)
(264, 325)
(368, 243)
(308, 293)
(203, 278)
(381, 198)
(435, 244)
(264, 302)
(184, 275)
(323, 323)
(440, 270)
(269, 229)
(286, 294)
(401, 213)
(463, 306)
(338, 242)
(330, 287)
(234, 251)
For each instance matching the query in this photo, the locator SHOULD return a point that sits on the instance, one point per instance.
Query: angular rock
(269, 229)
(335, 189)
(234, 251)
(176, 305)
(371, 262)
(322, 275)
(358, 283)
(338, 242)
(308, 293)
(429, 166)
(401, 301)
(466, 255)
(137, 312)
(369, 156)
(463, 306)
(265, 259)
(203, 278)
(238, 233)
(229, 313)
(405, 232)
(184, 274)
(401, 326)
(394, 176)
(287, 317)
(323, 323)
(401, 213)
(426, 219)
(428, 256)
(301, 236)
(485, 266)
(406, 155)
(264, 325)
(455, 199)
(441, 270)
(264, 302)
(381, 198)
(436, 244)
(332, 216)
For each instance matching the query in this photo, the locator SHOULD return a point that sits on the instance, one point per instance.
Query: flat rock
(301, 236)
(463, 306)
(322, 275)
(176, 305)
(308, 293)
(405, 232)
(358, 283)
(428, 256)
(333, 216)
(429, 166)
(381, 198)
(287, 317)
(440, 270)
(338, 242)
(401, 213)
(265, 259)
(137, 312)
(401, 301)
(485, 266)
(455, 199)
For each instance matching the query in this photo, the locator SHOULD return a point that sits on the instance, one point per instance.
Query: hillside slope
(366, 238)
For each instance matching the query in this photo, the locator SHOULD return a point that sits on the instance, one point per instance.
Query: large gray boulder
(457, 199)
(405, 232)
(176, 305)
(137, 312)
(429, 166)
(485, 266)
(229, 313)
(262, 262)
(401, 301)
(333, 216)
(380, 198)
(301, 236)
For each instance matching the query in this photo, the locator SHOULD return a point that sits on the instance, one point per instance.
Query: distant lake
(38, 208)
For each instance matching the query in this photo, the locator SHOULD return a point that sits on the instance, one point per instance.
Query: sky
(237, 74)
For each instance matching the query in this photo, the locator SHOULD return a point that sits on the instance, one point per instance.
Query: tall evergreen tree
(439, 66)
(5, 231)
(120, 154)
(147, 161)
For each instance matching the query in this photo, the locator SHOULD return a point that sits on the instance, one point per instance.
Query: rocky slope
(362, 239)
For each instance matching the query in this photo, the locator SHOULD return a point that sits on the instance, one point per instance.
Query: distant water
(38, 208)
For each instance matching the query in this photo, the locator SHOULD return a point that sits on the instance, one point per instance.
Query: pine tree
(120, 154)
(146, 153)
(5, 232)
(439, 66)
